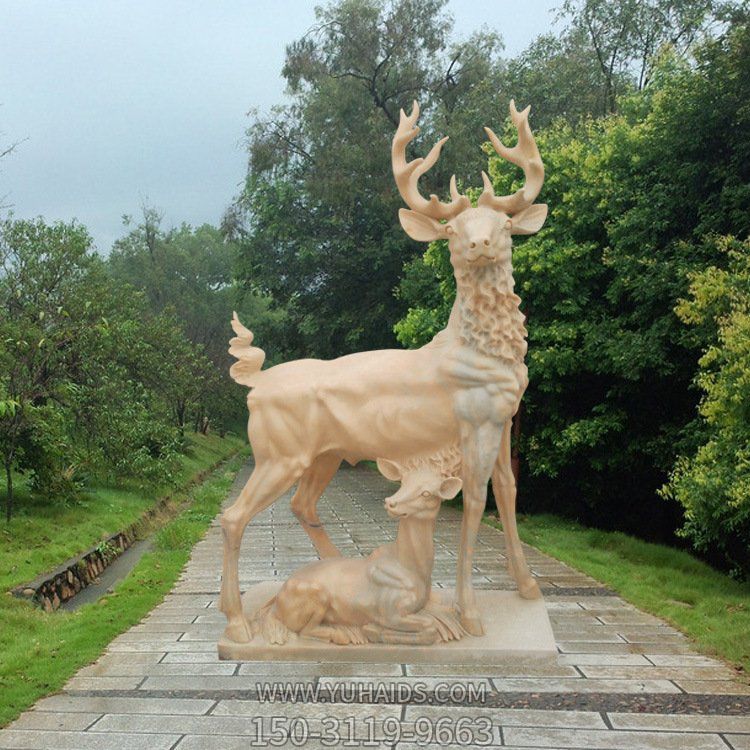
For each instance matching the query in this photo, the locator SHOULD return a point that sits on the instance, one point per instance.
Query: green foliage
(186, 276)
(316, 220)
(713, 484)
(93, 382)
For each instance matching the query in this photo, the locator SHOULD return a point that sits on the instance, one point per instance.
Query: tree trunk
(9, 488)
(515, 454)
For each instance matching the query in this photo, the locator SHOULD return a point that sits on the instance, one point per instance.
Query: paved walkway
(624, 679)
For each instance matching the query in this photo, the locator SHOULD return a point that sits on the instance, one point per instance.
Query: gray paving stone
(197, 669)
(103, 683)
(681, 722)
(115, 705)
(474, 671)
(636, 660)
(341, 711)
(331, 669)
(606, 740)
(54, 721)
(220, 682)
(682, 660)
(566, 685)
(228, 742)
(714, 687)
(44, 740)
(521, 717)
(659, 673)
(738, 741)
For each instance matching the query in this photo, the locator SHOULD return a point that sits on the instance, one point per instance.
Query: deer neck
(486, 315)
(415, 546)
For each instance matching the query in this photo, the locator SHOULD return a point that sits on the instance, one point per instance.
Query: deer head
(422, 489)
(476, 236)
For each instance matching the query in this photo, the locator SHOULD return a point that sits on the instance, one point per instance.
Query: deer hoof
(238, 631)
(472, 623)
(529, 589)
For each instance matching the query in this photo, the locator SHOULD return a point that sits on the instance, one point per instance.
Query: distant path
(624, 679)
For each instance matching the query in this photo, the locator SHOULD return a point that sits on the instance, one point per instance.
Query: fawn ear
(389, 469)
(420, 227)
(530, 220)
(449, 487)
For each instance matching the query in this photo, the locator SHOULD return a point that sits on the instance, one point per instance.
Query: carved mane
(490, 318)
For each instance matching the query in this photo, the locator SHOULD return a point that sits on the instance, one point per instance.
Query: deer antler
(524, 154)
(407, 174)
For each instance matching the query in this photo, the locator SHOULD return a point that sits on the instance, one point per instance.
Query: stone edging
(50, 590)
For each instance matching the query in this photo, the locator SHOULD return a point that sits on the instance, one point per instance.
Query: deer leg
(480, 445)
(267, 482)
(500, 498)
(504, 488)
(305, 500)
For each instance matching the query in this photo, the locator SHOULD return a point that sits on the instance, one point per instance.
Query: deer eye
(508, 223)
(449, 229)
(426, 493)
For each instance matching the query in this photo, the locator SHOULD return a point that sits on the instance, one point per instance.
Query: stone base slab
(516, 630)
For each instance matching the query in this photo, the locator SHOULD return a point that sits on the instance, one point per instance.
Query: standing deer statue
(463, 387)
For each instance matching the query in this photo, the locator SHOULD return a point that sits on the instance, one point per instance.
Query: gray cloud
(120, 102)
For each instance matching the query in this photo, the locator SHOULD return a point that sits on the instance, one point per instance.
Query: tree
(186, 275)
(610, 402)
(316, 220)
(40, 266)
(713, 483)
(627, 36)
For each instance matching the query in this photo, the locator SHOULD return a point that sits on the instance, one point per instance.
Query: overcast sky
(116, 103)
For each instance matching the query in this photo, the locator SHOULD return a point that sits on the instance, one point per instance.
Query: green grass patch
(39, 652)
(708, 606)
(43, 534)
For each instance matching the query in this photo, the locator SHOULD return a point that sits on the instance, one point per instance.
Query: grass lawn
(706, 605)
(39, 652)
(43, 535)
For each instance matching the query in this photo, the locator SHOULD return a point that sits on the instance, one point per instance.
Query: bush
(713, 485)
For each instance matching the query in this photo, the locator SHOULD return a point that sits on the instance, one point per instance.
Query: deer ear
(530, 220)
(449, 487)
(389, 469)
(420, 227)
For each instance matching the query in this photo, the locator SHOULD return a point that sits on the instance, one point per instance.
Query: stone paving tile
(566, 685)
(342, 711)
(195, 669)
(161, 684)
(43, 740)
(714, 687)
(469, 671)
(637, 660)
(660, 673)
(681, 722)
(290, 669)
(521, 717)
(614, 740)
(53, 720)
(108, 705)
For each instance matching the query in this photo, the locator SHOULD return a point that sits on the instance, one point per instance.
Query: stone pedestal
(516, 630)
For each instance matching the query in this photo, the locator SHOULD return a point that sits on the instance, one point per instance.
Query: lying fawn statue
(384, 597)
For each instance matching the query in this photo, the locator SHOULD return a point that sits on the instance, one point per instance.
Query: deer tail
(249, 358)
